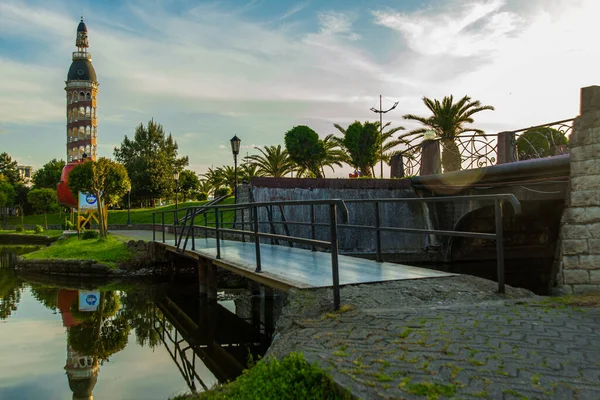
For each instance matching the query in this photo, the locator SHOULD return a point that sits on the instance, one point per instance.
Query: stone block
(583, 289)
(574, 246)
(572, 231)
(573, 215)
(570, 262)
(589, 99)
(594, 246)
(595, 277)
(589, 261)
(576, 276)
(587, 167)
(587, 152)
(594, 230)
(584, 198)
(587, 182)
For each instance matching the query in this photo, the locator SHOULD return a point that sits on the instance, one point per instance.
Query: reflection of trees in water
(11, 288)
(138, 308)
(102, 333)
(47, 295)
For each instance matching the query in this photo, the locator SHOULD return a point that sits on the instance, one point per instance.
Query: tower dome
(82, 89)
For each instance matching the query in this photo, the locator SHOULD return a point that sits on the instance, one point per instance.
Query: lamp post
(176, 177)
(129, 206)
(381, 111)
(235, 149)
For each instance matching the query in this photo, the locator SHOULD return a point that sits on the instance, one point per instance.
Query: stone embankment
(445, 338)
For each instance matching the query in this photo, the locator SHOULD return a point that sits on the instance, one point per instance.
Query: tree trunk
(46, 221)
(100, 215)
(451, 158)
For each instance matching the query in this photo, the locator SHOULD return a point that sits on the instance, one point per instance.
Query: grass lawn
(138, 215)
(110, 250)
(49, 233)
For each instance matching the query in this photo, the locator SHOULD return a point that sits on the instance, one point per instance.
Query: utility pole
(381, 111)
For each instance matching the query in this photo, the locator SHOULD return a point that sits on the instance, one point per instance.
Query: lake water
(78, 340)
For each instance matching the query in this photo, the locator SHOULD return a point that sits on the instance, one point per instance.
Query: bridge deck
(289, 267)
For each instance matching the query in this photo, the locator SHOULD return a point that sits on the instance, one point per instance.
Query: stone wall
(578, 254)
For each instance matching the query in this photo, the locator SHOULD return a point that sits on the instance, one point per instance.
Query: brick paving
(476, 345)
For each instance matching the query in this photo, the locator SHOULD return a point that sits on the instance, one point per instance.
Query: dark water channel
(128, 340)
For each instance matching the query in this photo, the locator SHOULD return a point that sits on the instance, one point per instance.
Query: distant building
(82, 90)
(26, 173)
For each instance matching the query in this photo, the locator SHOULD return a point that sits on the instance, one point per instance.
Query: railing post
(193, 229)
(217, 233)
(175, 224)
(243, 226)
(256, 239)
(153, 227)
(205, 225)
(506, 148)
(335, 273)
(430, 158)
(397, 166)
(313, 232)
(378, 232)
(162, 221)
(499, 244)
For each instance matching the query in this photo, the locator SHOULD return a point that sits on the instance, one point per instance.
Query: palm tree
(447, 122)
(273, 161)
(385, 152)
(333, 154)
(247, 172)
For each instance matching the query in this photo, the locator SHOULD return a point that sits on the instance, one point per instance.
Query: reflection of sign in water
(87, 201)
(88, 300)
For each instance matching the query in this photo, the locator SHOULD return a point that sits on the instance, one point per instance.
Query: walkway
(291, 267)
(454, 338)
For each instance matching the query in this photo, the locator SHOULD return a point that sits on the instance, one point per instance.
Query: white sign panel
(89, 300)
(87, 201)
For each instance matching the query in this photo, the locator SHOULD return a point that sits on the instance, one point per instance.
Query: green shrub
(202, 196)
(19, 229)
(38, 229)
(67, 225)
(224, 191)
(290, 378)
(90, 235)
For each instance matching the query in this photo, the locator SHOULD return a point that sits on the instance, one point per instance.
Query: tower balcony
(82, 55)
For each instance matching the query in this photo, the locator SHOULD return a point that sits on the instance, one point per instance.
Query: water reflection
(207, 341)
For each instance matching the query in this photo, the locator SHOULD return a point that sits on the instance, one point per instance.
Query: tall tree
(9, 169)
(448, 121)
(305, 149)
(49, 175)
(188, 183)
(150, 159)
(361, 145)
(105, 179)
(272, 161)
(247, 172)
(43, 201)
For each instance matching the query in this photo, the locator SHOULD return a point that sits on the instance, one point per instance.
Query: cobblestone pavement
(492, 348)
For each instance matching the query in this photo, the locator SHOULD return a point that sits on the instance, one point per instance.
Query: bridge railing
(422, 156)
(218, 228)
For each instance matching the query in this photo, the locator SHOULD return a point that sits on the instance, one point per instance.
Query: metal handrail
(219, 229)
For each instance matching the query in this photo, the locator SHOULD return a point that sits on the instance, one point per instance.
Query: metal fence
(187, 231)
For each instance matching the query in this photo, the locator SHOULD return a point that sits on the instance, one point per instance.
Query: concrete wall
(409, 215)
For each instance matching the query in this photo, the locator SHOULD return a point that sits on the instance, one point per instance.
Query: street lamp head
(235, 145)
(176, 175)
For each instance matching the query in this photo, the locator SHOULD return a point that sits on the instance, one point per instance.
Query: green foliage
(43, 201)
(106, 179)
(19, 229)
(91, 234)
(38, 229)
(150, 159)
(290, 378)
(3, 199)
(8, 194)
(188, 183)
(541, 142)
(109, 250)
(202, 196)
(11, 288)
(305, 149)
(221, 176)
(49, 175)
(360, 142)
(272, 161)
(448, 121)
(8, 168)
(224, 191)
(68, 225)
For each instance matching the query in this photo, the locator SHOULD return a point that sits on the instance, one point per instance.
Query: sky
(209, 70)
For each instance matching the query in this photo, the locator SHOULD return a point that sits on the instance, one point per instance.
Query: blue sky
(208, 70)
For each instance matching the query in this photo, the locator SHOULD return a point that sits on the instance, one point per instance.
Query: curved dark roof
(81, 27)
(82, 70)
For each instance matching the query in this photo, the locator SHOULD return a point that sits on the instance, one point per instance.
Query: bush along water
(38, 229)
(90, 235)
(223, 191)
(19, 229)
(289, 378)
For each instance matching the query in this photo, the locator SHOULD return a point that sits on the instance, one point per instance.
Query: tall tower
(82, 90)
